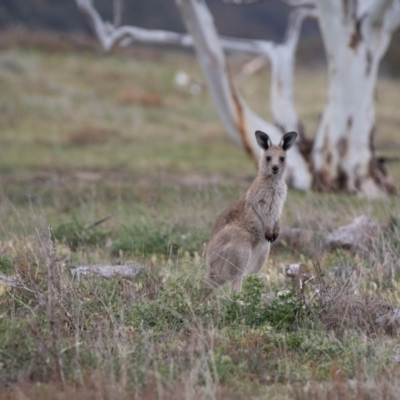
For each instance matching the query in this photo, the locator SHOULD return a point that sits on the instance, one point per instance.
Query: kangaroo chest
(268, 203)
(271, 203)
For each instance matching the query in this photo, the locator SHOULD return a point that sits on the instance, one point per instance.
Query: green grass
(84, 137)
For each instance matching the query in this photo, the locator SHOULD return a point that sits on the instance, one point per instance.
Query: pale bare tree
(229, 104)
(355, 34)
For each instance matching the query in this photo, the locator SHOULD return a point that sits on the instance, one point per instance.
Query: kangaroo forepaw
(271, 237)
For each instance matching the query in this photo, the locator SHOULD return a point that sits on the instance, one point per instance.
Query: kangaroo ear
(263, 140)
(288, 140)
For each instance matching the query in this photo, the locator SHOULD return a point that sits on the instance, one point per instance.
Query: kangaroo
(240, 239)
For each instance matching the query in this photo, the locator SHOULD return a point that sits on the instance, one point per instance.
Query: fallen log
(357, 237)
(106, 271)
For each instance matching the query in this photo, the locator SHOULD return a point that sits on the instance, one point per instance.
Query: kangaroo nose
(275, 169)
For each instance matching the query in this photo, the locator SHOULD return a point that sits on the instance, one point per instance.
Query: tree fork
(355, 34)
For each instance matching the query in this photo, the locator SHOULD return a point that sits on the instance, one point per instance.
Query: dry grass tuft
(342, 311)
(341, 306)
(360, 387)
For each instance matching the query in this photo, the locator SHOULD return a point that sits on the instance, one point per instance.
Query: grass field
(85, 136)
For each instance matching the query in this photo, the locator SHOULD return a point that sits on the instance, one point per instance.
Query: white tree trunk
(283, 62)
(282, 58)
(240, 121)
(356, 35)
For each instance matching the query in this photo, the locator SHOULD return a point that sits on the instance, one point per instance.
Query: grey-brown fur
(240, 239)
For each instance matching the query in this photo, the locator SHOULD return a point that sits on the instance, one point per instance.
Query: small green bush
(226, 369)
(247, 307)
(177, 305)
(75, 234)
(16, 348)
(6, 265)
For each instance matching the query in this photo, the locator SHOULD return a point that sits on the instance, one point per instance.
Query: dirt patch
(93, 134)
(147, 99)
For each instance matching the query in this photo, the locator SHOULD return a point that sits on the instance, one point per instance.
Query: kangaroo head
(273, 159)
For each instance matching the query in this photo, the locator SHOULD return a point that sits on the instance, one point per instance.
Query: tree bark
(240, 121)
(111, 34)
(356, 35)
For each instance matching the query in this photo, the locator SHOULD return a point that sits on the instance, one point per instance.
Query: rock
(107, 271)
(10, 281)
(298, 271)
(390, 322)
(356, 237)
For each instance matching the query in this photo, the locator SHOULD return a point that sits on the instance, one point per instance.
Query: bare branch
(299, 3)
(243, 2)
(240, 121)
(393, 21)
(109, 36)
(378, 10)
(118, 10)
(355, 34)
(292, 3)
(282, 60)
(296, 18)
(261, 47)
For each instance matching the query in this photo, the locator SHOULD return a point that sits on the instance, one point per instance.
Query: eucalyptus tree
(356, 34)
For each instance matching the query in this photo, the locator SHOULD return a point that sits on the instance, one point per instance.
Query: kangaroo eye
(282, 159)
(268, 158)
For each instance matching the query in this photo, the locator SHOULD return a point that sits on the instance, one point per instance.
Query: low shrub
(158, 238)
(249, 306)
(177, 305)
(6, 265)
(76, 234)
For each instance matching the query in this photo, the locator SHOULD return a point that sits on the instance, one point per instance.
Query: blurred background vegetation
(265, 21)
